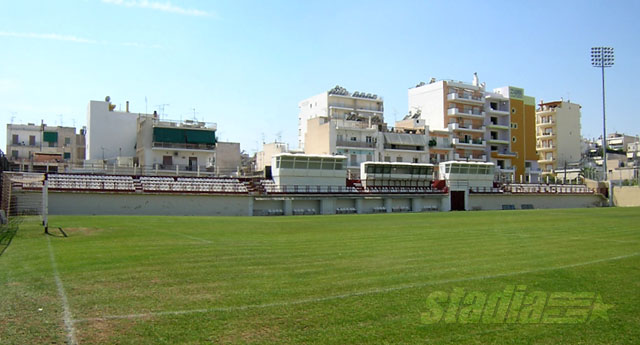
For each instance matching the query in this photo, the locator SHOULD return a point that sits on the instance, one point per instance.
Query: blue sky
(246, 64)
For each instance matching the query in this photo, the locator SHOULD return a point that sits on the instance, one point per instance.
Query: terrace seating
(90, 182)
(346, 210)
(192, 185)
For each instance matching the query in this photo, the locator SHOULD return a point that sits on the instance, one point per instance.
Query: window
(399, 159)
(67, 141)
(67, 155)
(415, 160)
(52, 144)
(354, 139)
(513, 110)
(369, 139)
(14, 153)
(527, 164)
(387, 159)
(513, 139)
(494, 148)
(15, 139)
(32, 140)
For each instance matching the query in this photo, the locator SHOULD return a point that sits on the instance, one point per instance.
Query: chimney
(127, 106)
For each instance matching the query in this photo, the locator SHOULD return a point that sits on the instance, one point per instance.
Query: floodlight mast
(602, 57)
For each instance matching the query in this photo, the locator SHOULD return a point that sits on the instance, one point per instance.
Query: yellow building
(523, 134)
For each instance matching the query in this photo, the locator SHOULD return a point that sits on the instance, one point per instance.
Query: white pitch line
(351, 294)
(66, 310)
(187, 236)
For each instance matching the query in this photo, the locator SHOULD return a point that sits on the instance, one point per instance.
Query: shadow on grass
(7, 232)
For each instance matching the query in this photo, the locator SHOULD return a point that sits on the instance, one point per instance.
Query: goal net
(24, 195)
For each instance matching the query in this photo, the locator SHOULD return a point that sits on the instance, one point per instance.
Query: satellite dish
(107, 99)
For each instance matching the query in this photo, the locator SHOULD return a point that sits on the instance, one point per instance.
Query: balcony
(498, 141)
(359, 144)
(544, 160)
(156, 145)
(497, 111)
(461, 128)
(497, 126)
(470, 158)
(465, 98)
(503, 153)
(546, 148)
(468, 114)
(351, 125)
(533, 171)
(546, 134)
(475, 143)
(546, 123)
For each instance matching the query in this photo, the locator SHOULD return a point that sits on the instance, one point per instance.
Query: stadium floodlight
(602, 57)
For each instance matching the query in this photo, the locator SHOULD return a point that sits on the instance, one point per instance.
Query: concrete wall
(228, 159)
(148, 204)
(113, 131)
(626, 196)
(495, 202)
(230, 205)
(429, 99)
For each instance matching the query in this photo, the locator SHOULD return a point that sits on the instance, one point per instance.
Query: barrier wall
(74, 203)
(496, 201)
(148, 204)
(626, 196)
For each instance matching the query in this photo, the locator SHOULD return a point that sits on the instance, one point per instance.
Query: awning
(405, 139)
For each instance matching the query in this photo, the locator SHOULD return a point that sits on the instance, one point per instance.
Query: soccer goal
(24, 195)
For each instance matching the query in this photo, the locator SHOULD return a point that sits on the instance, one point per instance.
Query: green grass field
(314, 279)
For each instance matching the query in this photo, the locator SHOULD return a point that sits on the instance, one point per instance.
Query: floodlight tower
(602, 57)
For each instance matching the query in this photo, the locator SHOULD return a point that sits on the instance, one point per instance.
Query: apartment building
(175, 145)
(457, 107)
(110, 133)
(558, 139)
(497, 127)
(522, 123)
(34, 147)
(339, 104)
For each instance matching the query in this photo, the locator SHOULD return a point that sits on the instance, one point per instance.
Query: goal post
(24, 195)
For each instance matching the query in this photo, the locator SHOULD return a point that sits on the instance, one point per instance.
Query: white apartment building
(110, 133)
(340, 104)
(34, 147)
(558, 135)
(455, 106)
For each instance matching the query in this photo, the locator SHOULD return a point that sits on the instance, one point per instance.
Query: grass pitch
(314, 279)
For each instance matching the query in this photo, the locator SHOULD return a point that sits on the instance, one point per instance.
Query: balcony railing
(464, 97)
(351, 143)
(184, 146)
(469, 113)
(479, 142)
(470, 128)
(479, 158)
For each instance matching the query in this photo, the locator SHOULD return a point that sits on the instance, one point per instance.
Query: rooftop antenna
(279, 136)
(263, 142)
(13, 116)
(161, 108)
(194, 114)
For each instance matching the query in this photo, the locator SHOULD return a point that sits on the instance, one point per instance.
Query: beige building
(263, 158)
(557, 135)
(44, 148)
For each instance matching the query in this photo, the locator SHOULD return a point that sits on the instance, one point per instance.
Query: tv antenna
(161, 108)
